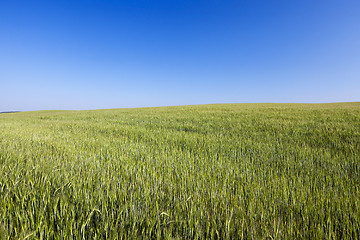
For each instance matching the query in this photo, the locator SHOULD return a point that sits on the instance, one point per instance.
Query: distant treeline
(10, 112)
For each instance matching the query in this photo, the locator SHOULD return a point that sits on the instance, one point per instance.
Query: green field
(232, 171)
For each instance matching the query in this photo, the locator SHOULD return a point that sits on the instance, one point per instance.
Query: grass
(232, 171)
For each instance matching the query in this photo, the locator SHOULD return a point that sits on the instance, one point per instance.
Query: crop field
(230, 171)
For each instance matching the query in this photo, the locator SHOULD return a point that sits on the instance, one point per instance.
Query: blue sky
(113, 54)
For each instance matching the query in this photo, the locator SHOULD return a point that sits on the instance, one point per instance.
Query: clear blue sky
(112, 54)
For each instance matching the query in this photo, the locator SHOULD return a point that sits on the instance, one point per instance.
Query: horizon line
(181, 105)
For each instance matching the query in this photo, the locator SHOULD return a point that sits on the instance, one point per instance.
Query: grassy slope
(208, 171)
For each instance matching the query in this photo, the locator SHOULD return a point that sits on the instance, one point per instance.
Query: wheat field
(222, 171)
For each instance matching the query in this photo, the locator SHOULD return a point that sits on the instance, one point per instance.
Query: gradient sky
(137, 53)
